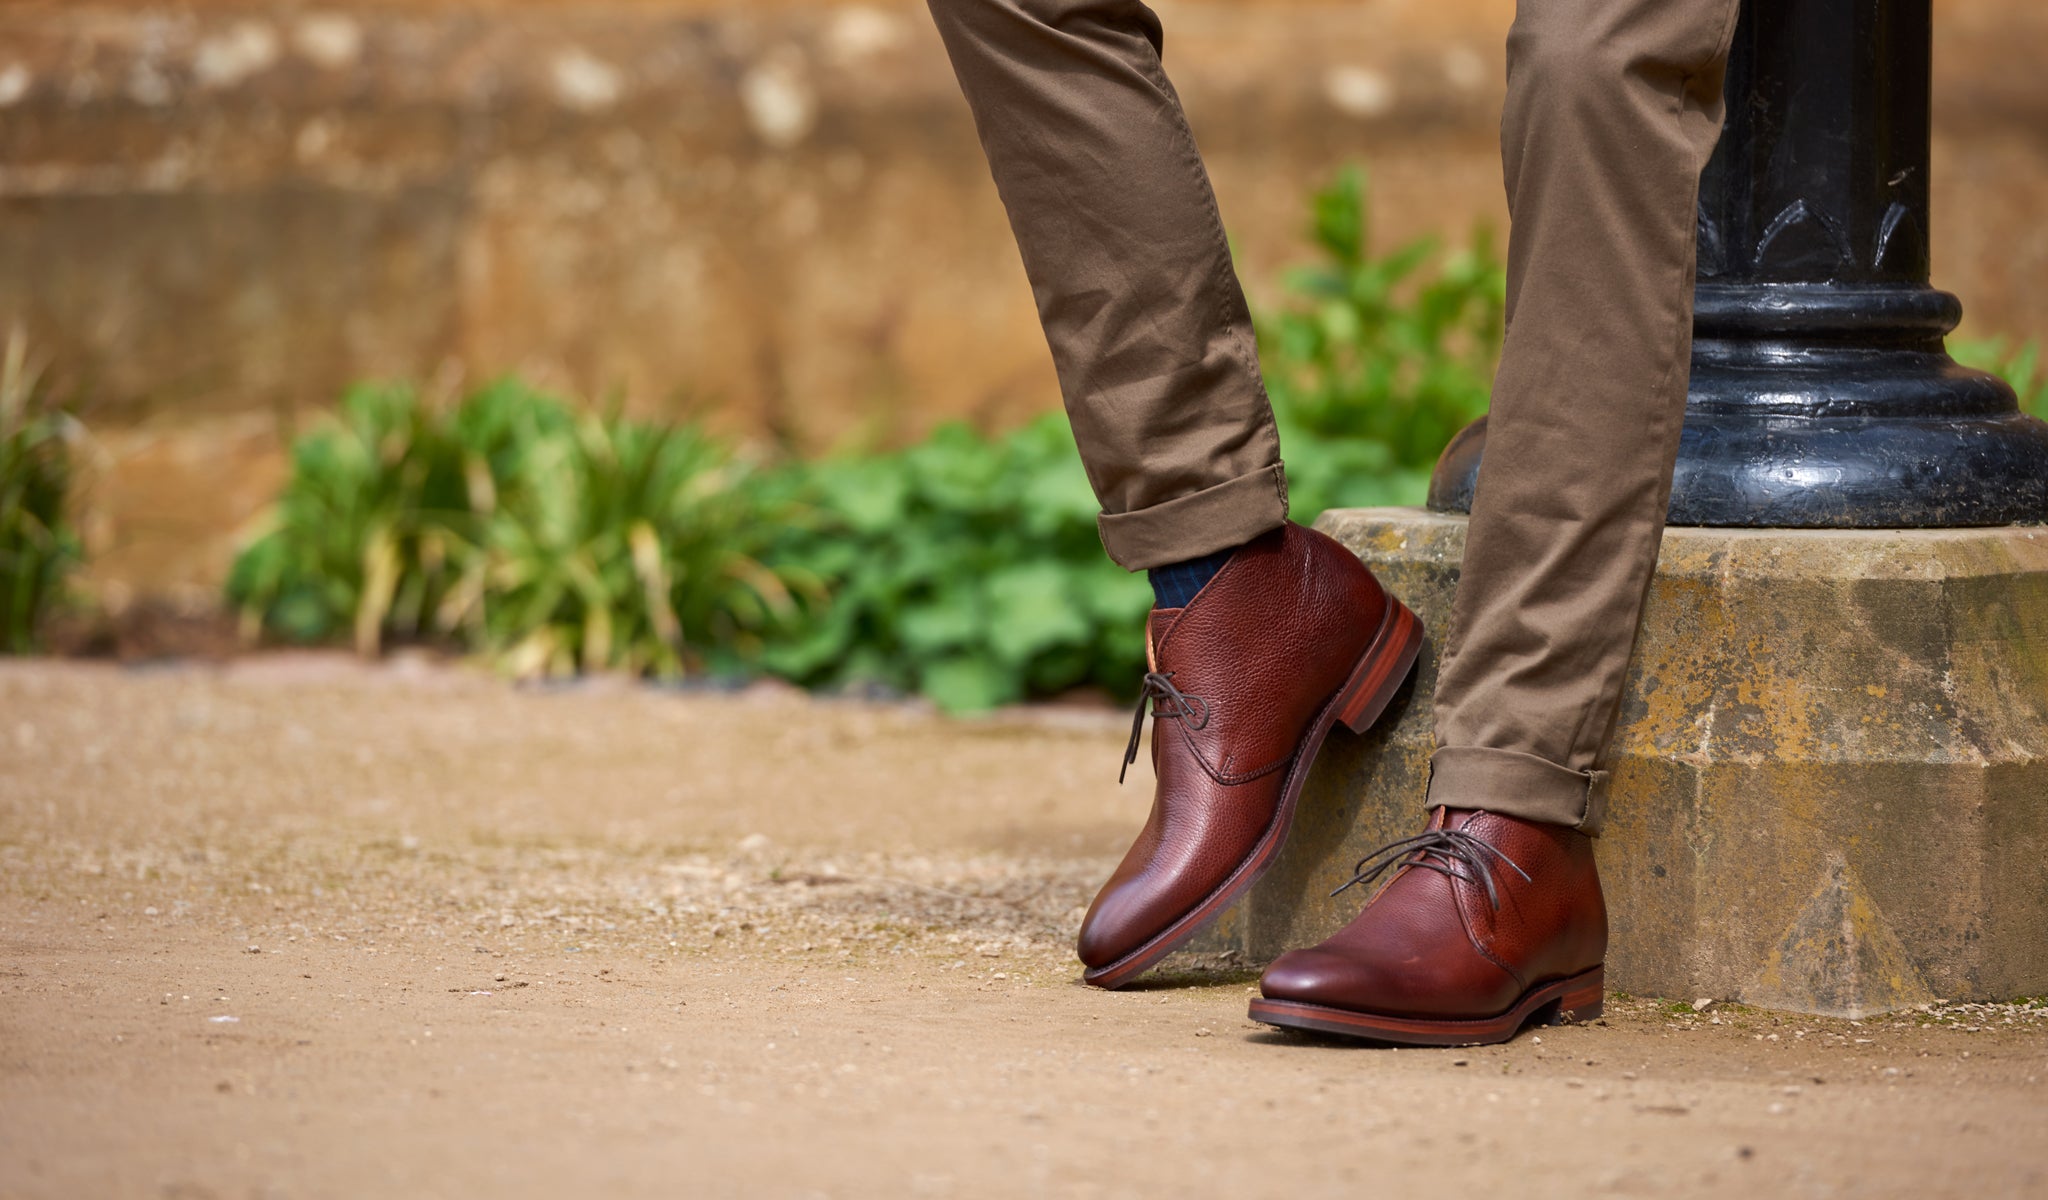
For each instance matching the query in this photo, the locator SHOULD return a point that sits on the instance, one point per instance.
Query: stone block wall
(215, 214)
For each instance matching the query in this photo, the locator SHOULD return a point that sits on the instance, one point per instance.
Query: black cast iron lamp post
(1822, 395)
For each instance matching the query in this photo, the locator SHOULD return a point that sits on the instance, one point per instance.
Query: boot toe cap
(1403, 986)
(1122, 919)
(1312, 976)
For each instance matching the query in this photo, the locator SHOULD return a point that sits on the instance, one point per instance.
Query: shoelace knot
(1174, 704)
(1460, 851)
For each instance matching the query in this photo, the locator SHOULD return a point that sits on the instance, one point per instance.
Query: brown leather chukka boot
(1489, 922)
(1290, 637)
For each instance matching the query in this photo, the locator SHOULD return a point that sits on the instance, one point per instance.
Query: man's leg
(1266, 634)
(1494, 913)
(1127, 259)
(1613, 109)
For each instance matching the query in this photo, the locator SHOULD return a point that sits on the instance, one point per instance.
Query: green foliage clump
(38, 547)
(2019, 365)
(631, 545)
(966, 568)
(547, 540)
(1374, 362)
(366, 538)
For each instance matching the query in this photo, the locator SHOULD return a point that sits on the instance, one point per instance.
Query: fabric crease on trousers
(1612, 109)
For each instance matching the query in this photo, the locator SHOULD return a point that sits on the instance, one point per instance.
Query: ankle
(1176, 584)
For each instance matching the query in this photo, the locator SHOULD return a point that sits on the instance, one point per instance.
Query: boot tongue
(1156, 625)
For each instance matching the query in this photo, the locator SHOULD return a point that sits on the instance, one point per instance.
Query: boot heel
(1585, 1000)
(1382, 669)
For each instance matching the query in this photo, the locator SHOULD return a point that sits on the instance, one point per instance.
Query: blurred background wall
(215, 215)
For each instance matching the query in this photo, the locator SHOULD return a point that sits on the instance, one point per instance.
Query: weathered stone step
(1830, 773)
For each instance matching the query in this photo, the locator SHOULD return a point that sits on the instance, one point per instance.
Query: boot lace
(1173, 704)
(1451, 852)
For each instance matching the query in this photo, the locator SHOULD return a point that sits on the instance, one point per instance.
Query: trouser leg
(1128, 262)
(1613, 107)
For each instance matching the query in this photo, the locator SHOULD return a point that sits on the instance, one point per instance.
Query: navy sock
(1175, 584)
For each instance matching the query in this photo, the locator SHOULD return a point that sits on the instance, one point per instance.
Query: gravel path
(303, 927)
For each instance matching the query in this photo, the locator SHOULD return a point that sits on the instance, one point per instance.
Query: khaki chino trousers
(1612, 109)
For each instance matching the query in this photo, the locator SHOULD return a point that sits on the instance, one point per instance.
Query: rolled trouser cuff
(1518, 785)
(1216, 518)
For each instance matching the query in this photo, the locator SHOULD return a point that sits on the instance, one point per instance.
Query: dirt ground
(296, 926)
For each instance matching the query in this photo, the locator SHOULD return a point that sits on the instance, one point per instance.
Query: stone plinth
(1830, 787)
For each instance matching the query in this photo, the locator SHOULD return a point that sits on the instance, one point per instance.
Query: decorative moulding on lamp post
(1822, 395)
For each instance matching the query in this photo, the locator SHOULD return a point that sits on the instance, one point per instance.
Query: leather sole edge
(1573, 1000)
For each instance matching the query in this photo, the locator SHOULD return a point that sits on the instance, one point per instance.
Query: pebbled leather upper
(1428, 945)
(1263, 646)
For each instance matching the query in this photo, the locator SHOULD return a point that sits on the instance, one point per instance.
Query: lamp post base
(1818, 406)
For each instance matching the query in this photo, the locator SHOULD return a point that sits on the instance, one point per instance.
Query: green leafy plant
(2019, 364)
(1375, 361)
(629, 545)
(38, 548)
(514, 527)
(364, 539)
(966, 568)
